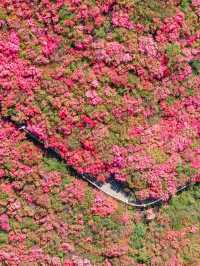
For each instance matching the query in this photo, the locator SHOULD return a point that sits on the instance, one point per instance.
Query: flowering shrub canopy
(48, 217)
(113, 85)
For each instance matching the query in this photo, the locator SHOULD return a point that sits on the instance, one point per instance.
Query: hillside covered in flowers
(48, 217)
(114, 87)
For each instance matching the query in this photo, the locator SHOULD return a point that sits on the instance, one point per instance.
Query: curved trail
(112, 188)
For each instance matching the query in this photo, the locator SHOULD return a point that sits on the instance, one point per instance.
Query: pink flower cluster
(4, 222)
(51, 180)
(74, 192)
(93, 97)
(196, 5)
(148, 46)
(102, 205)
(121, 19)
(171, 28)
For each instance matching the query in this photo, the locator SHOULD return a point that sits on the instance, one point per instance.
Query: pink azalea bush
(103, 206)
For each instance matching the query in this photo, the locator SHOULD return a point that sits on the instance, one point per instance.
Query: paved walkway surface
(117, 194)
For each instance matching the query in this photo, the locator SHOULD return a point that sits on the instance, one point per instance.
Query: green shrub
(121, 90)
(52, 164)
(100, 33)
(65, 14)
(56, 203)
(138, 235)
(132, 78)
(106, 223)
(173, 50)
(190, 91)
(185, 169)
(3, 196)
(181, 205)
(142, 257)
(185, 4)
(29, 223)
(2, 14)
(3, 238)
(195, 65)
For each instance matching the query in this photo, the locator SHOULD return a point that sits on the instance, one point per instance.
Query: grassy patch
(52, 164)
(138, 235)
(65, 14)
(3, 238)
(184, 209)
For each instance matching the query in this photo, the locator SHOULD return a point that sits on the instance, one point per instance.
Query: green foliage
(53, 117)
(84, 206)
(11, 111)
(88, 199)
(100, 33)
(65, 14)
(173, 50)
(132, 78)
(121, 90)
(30, 243)
(2, 14)
(142, 257)
(145, 11)
(96, 259)
(107, 223)
(73, 65)
(185, 169)
(195, 66)
(65, 181)
(158, 155)
(23, 54)
(185, 5)
(138, 235)
(184, 209)
(56, 203)
(118, 35)
(36, 48)
(190, 254)
(52, 164)
(190, 91)
(8, 166)
(93, 2)
(73, 142)
(3, 238)
(170, 100)
(52, 245)
(146, 95)
(29, 223)
(3, 196)
(14, 224)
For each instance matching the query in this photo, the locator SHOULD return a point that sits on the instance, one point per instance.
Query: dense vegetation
(114, 86)
(48, 217)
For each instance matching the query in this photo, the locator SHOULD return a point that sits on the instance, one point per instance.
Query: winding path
(112, 188)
